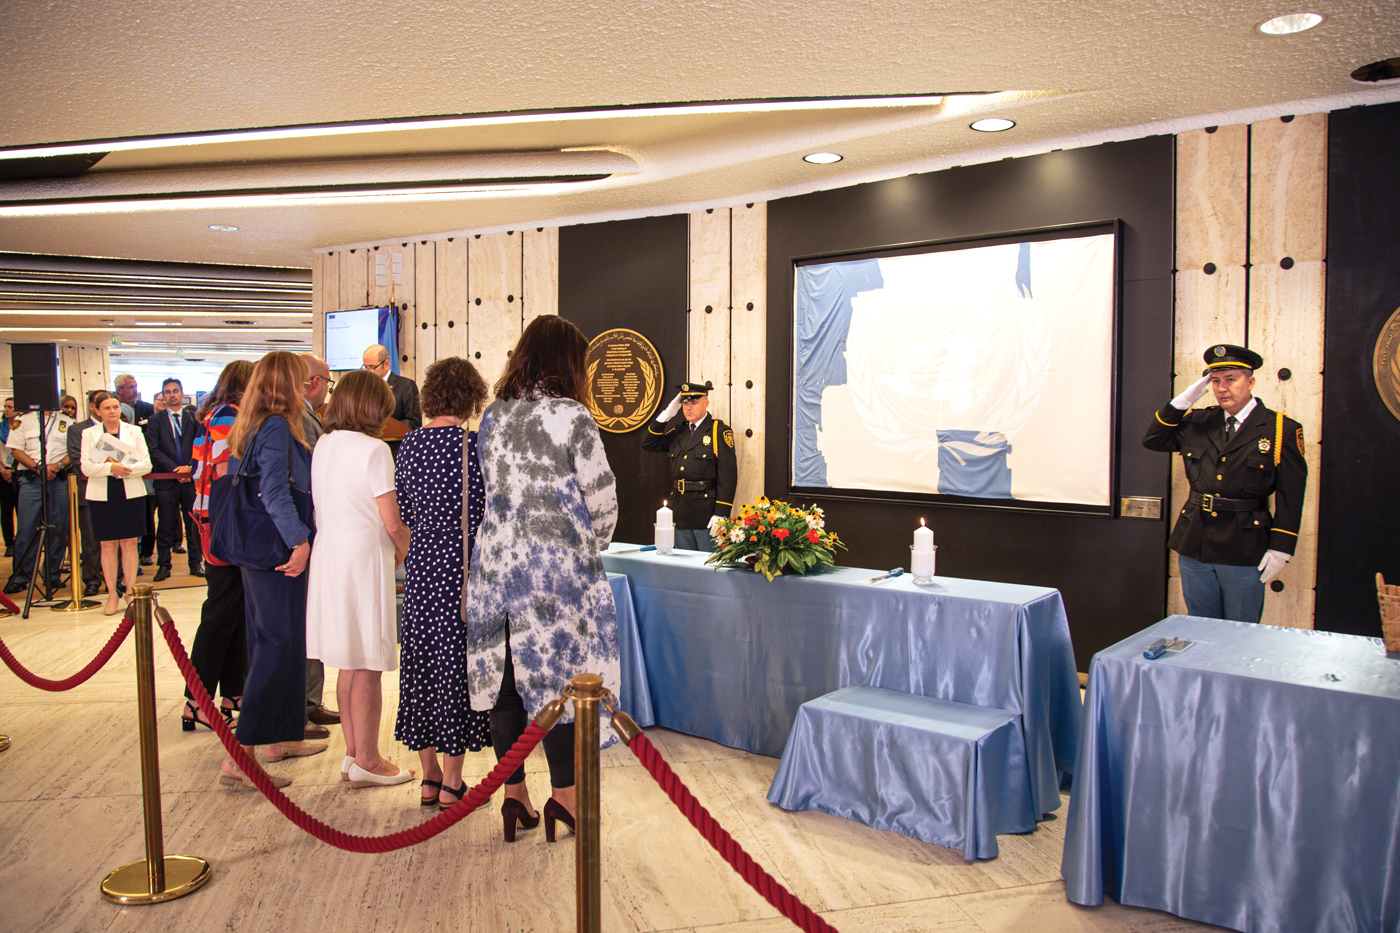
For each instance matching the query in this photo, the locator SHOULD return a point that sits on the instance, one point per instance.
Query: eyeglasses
(373, 366)
(330, 383)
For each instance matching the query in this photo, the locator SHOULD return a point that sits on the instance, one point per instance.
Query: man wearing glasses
(314, 391)
(376, 360)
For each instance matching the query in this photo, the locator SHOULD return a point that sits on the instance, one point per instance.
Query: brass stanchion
(75, 553)
(586, 690)
(157, 877)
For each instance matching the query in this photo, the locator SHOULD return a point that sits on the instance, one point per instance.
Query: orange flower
(780, 533)
(753, 537)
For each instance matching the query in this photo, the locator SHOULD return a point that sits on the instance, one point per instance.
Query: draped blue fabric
(946, 773)
(821, 324)
(634, 695)
(1250, 781)
(730, 656)
(971, 463)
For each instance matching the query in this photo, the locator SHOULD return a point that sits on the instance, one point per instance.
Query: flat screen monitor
(350, 333)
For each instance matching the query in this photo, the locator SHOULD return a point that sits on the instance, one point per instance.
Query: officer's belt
(693, 485)
(1221, 504)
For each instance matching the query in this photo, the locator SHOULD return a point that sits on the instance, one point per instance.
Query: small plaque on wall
(624, 380)
(1140, 507)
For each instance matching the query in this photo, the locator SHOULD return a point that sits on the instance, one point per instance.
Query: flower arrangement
(774, 536)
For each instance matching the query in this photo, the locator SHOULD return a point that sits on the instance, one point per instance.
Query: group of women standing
(501, 530)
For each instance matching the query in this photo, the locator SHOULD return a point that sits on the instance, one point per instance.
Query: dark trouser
(274, 692)
(220, 649)
(694, 539)
(147, 544)
(508, 722)
(315, 683)
(174, 500)
(1222, 591)
(92, 548)
(31, 491)
(7, 510)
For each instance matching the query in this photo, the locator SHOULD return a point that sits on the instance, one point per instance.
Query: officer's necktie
(1229, 428)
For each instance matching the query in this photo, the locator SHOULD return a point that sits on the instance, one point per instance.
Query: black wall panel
(1111, 571)
(1359, 525)
(633, 274)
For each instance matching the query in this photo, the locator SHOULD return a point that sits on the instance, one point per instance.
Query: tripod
(38, 547)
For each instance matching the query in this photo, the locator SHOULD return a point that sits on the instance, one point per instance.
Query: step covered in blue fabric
(932, 769)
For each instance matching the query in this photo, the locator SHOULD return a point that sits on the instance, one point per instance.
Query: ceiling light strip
(469, 120)
(121, 328)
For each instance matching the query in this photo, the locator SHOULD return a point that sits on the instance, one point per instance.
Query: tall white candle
(663, 516)
(923, 538)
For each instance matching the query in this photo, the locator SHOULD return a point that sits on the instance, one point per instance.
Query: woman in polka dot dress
(435, 715)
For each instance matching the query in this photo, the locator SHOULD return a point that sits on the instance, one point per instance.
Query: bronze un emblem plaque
(1385, 364)
(624, 379)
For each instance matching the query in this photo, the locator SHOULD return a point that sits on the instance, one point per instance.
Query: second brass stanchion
(75, 553)
(587, 692)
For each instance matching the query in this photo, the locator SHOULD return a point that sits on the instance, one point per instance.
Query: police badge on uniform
(1300, 442)
(729, 438)
(1264, 445)
(62, 427)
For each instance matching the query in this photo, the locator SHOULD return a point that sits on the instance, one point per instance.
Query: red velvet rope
(716, 835)
(327, 834)
(57, 686)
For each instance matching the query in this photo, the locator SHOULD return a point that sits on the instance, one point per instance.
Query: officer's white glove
(671, 410)
(714, 523)
(1272, 565)
(1192, 394)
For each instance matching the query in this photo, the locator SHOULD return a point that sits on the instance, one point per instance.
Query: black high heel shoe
(555, 811)
(512, 812)
(193, 721)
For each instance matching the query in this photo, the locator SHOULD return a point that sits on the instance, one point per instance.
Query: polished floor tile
(70, 810)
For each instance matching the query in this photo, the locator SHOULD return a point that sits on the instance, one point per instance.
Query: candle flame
(921, 522)
(663, 503)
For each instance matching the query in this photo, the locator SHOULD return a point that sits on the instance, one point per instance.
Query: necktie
(175, 425)
(1230, 428)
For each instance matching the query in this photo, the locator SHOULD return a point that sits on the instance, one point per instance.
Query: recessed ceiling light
(224, 228)
(241, 323)
(1289, 23)
(156, 323)
(993, 125)
(821, 158)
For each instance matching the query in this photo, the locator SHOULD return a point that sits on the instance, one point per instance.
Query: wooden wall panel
(423, 309)
(70, 373)
(495, 266)
(451, 304)
(749, 342)
(1286, 315)
(318, 310)
(1299, 397)
(1211, 197)
(1288, 190)
(495, 308)
(1209, 309)
(539, 277)
(1293, 608)
(708, 342)
(354, 279)
(405, 296)
(95, 371)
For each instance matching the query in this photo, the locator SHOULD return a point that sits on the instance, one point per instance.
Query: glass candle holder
(665, 538)
(921, 564)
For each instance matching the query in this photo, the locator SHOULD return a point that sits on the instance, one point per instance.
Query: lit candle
(665, 530)
(923, 538)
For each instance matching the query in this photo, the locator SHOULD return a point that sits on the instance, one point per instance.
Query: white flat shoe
(359, 777)
(345, 764)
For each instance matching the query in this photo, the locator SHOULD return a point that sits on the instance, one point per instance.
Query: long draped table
(730, 656)
(1251, 781)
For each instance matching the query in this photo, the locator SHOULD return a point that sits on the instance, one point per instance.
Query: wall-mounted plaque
(624, 379)
(1385, 364)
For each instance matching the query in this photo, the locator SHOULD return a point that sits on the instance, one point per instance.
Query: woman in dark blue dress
(441, 497)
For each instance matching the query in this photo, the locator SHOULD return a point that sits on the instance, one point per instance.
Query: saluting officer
(703, 466)
(1235, 455)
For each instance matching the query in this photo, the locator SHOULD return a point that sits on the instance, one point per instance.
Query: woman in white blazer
(115, 492)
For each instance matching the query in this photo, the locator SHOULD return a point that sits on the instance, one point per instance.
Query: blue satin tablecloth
(1252, 781)
(730, 656)
(634, 695)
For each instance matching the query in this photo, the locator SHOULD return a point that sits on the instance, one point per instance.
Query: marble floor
(70, 811)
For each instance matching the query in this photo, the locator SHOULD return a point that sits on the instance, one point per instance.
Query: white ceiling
(1071, 74)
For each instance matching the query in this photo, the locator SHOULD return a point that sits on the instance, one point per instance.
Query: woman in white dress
(360, 539)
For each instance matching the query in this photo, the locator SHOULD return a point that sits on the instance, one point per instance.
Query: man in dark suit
(1237, 454)
(92, 549)
(376, 360)
(170, 437)
(139, 413)
(703, 464)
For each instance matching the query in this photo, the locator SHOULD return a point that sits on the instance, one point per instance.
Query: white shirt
(25, 437)
(1242, 414)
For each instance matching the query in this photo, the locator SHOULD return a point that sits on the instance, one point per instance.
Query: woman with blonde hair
(350, 608)
(267, 443)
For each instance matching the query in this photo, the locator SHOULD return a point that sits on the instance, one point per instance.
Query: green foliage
(773, 536)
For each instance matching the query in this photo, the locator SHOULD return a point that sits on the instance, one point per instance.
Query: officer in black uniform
(703, 466)
(1236, 455)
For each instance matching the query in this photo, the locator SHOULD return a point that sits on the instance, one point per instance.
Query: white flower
(736, 535)
(816, 522)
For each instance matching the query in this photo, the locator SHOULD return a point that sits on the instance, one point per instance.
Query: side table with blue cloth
(634, 695)
(730, 656)
(1249, 781)
(942, 772)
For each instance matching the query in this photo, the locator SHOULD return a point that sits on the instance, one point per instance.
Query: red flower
(813, 536)
(750, 519)
(780, 533)
(753, 537)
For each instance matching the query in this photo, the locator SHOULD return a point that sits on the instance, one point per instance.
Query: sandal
(295, 751)
(427, 803)
(458, 792)
(241, 780)
(191, 720)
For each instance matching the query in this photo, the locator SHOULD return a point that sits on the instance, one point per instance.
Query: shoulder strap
(1278, 437)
